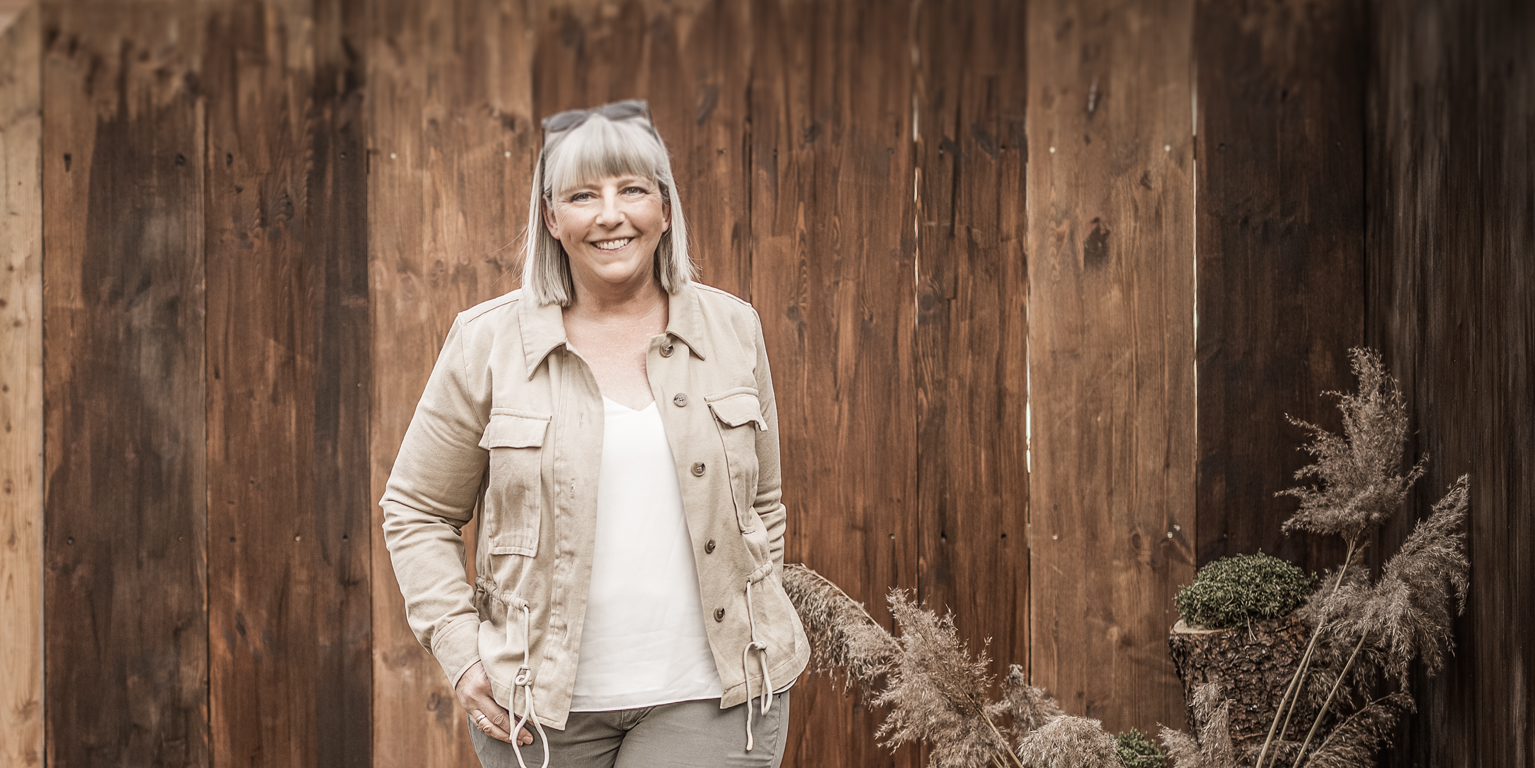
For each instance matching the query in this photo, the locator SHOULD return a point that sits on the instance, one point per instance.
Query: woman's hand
(474, 695)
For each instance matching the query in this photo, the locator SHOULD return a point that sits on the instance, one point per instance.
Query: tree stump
(1253, 668)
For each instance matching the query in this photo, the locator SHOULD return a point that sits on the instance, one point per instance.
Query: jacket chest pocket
(738, 417)
(513, 493)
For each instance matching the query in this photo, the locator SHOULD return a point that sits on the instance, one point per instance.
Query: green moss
(1137, 751)
(1236, 591)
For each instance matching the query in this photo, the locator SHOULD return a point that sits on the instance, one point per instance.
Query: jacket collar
(543, 326)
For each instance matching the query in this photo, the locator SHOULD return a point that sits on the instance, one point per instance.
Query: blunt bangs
(600, 148)
(596, 149)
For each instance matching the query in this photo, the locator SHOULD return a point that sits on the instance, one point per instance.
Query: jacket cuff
(457, 648)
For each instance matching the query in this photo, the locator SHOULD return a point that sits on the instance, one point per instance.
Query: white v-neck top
(643, 642)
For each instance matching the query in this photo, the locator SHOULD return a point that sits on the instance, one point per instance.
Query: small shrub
(1137, 751)
(1236, 591)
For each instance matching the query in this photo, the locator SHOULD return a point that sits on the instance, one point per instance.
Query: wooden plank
(1280, 258)
(126, 514)
(833, 250)
(451, 139)
(971, 354)
(21, 393)
(691, 60)
(1111, 352)
(1449, 242)
(289, 622)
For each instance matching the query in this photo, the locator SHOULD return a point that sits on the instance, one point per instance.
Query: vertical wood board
(1281, 257)
(833, 249)
(1449, 234)
(450, 158)
(971, 337)
(1111, 355)
(125, 540)
(21, 393)
(287, 343)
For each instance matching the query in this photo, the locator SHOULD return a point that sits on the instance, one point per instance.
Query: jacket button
(680, 400)
(719, 614)
(698, 469)
(666, 351)
(709, 548)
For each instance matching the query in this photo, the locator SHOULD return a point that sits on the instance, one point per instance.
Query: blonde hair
(597, 148)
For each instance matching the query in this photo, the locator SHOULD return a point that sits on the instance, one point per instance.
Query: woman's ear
(666, 215)
(550, 222)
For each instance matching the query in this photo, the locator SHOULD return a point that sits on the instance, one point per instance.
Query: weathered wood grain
(833, 261)
(971, 353)
(691, 61)
(1111, 351)
(1280, 256)
(451, 141)
(126, 497)
(287, 349)
(21, 392)
(1450, 236)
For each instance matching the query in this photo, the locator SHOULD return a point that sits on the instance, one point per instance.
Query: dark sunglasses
(618, 110)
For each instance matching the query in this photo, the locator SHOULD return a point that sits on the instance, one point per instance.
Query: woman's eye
(580, 197)
(636, 190)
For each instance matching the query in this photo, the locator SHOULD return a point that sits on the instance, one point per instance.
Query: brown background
(1039, 279)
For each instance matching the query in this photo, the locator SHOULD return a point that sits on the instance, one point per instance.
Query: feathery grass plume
(1355, 741)
(1030, 707)
(1409, 608)
(1182, 749)
(1137, 751)
(1360, 470)
(936, 692)
(842, 634)
(1215, 750)
(1069, 742)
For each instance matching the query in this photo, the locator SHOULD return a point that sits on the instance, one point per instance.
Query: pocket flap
(507, 430)
(739, 410)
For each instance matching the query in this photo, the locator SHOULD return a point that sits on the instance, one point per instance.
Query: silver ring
(482, 721)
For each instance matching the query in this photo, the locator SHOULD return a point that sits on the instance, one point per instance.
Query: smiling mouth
(612, 245)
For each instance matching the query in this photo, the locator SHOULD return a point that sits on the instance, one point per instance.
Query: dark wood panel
(1280, 258)
(833, 249)
(126, 498)
(1111, 352)
(971, 355)
(451, 141)
(289, 603)
(1452, 103)
(691, 62)
(21, 392)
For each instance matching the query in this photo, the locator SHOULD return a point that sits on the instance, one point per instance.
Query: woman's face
(610, 229)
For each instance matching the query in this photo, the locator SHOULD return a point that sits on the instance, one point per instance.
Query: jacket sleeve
(430, 495)
(769, 501)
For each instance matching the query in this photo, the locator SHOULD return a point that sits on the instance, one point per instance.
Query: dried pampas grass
(1030, 707)
(1213, 749)
(842, 634)
(1069, 742)
(1360, 470)
(936, 691)
(1409, 609)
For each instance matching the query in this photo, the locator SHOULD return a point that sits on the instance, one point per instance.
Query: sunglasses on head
(618, 110)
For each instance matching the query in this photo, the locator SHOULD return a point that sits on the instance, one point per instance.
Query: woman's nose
(610, 215)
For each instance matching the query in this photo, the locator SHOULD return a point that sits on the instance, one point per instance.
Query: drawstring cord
(525, 682)
(767, 683)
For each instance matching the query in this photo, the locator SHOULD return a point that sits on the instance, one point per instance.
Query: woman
(615, 424)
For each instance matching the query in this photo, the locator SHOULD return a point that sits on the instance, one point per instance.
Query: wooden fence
(1040, 281)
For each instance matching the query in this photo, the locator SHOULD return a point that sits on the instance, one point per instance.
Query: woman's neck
(618, 304)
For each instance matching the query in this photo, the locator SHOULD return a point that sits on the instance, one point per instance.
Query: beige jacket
(508, 396)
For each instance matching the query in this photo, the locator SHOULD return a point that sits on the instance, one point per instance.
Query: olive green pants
(688, 734)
